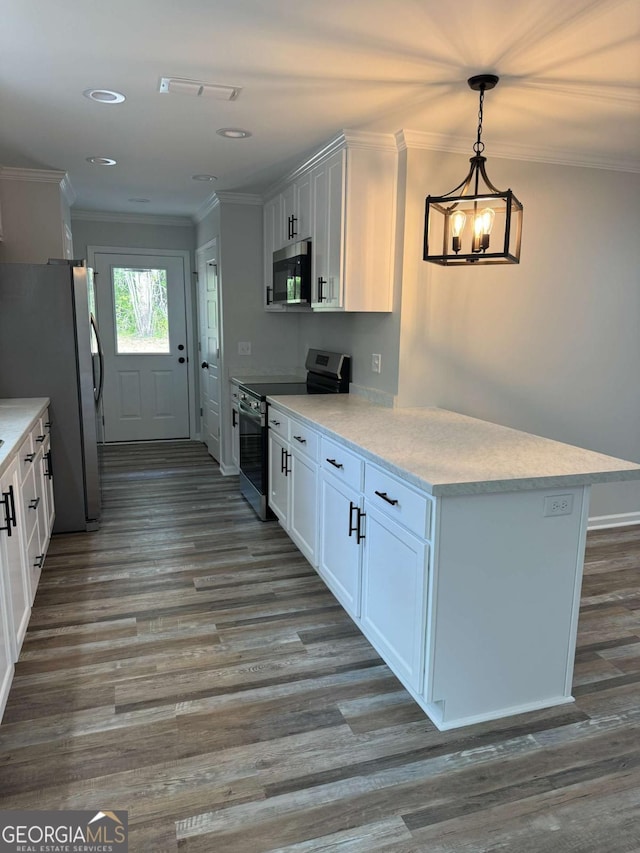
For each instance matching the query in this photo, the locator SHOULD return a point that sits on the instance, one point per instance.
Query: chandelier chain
(478, 145)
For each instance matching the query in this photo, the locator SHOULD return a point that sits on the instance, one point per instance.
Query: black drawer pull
(33, 504)
(385, 497)
(335, 464)
(40, 438)
(275, 423)
(39, 561)
(300, 439)
(48, 424)
(29, 457)
(48, 470)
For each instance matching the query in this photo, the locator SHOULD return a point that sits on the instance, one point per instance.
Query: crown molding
(363, 139)
(130, 218)
(218, 198)
(47, 176)
(415, 139)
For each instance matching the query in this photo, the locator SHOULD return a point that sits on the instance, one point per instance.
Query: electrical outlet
(558, 505)
(376, 362)
(244, 347)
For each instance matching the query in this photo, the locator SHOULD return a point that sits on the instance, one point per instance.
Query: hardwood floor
(186, 663)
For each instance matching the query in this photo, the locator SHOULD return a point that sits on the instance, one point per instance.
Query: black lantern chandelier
(475, 223)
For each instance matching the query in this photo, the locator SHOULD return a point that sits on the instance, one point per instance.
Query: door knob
(181, 360)
(205, 364)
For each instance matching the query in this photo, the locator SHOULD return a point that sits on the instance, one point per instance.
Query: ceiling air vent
(198, 89)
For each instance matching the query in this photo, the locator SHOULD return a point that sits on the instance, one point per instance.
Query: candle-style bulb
(482, 225)
(458, 220)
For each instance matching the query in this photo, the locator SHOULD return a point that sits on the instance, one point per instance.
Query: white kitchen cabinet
(26, 518)
(469, 584)
(295, 209)
(293, 480)
(235, 427)
(340, 564)
(12, 558)
(272, 233)
(279, 470)
(354, 209)
(394, 595)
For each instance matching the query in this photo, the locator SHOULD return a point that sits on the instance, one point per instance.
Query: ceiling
(569, 90)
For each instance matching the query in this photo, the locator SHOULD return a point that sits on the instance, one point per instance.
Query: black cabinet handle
(7, 512)
(356, 527)
(385, 497)
(335, 464)
(48, 470)
(29, 457)
(48, 425)
(287, 457)
(39, 561)
(269, 301)
(33, 504)
(293, 231)
(300, 439)
(321, 283)
(275, 423)
(40, 438)
(234, 418)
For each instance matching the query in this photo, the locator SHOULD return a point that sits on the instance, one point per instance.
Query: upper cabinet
(344, 200)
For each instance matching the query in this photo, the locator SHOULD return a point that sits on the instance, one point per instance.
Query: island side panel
(507, 594)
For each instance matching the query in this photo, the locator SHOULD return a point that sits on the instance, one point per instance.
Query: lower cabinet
(394, 595)
(293, 482)
(26, 519)
(340, 563)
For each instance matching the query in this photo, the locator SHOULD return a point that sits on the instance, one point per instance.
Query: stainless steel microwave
(291, 275)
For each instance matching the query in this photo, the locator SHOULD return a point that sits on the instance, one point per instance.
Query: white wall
(551, 346)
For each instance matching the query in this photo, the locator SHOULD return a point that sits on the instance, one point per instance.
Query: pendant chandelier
(475, 223)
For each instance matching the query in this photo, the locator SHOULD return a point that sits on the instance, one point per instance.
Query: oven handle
(255, 415)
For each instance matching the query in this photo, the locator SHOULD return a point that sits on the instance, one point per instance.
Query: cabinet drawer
(344, 464)
(398, 500)
(30, 502)
(278, 422)
(304, 439)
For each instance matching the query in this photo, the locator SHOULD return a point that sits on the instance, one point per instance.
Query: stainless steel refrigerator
(49, 348)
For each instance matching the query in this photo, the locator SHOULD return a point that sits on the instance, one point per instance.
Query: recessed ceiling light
(139, 200)
(233, 133)
(204, 178)
(101, 161)
(104, 96)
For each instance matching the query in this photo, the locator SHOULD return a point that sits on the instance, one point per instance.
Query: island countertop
(446, 453)
(17, 416)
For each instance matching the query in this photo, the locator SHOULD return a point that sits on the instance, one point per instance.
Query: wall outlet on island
(558, 505)
(376, 362)
(244, 347)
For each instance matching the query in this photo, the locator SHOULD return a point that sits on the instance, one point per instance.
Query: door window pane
(140, 301)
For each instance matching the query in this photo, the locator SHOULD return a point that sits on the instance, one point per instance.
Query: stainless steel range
(327, 373)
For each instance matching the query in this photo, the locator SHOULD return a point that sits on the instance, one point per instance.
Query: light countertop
(446, 453)
(17, 416)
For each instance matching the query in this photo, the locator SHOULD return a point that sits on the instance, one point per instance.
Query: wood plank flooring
(186, 663)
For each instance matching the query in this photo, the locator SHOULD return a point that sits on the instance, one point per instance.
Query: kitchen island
(456, 545)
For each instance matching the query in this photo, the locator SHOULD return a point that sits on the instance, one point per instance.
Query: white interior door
(210, 353)
(141, 313)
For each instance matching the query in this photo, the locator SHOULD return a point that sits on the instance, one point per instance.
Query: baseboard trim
(228, 470)
(624, 519)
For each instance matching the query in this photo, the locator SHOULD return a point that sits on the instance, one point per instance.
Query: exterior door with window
(141, 314)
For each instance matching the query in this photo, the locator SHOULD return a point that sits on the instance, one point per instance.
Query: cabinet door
(279, 469)
(272, 226)
(47, 473)
(303, 513)
(6, 657)
(303, 208)
(12, 561)
(328, 209)
(340, 553)
(394, 589)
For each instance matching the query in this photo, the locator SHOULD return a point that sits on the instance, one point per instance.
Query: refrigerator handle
(100, 359)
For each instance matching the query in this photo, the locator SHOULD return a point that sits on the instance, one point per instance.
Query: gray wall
(550, 346)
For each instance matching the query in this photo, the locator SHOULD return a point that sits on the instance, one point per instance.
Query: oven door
(253, 457)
